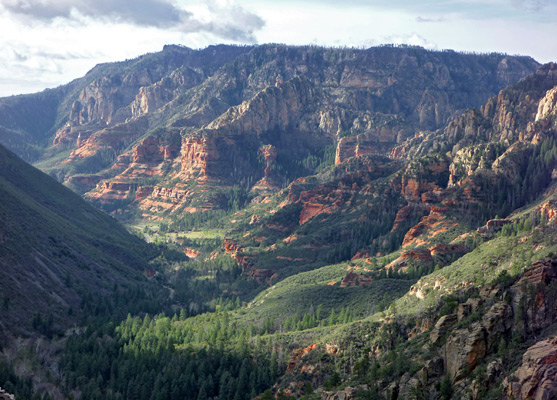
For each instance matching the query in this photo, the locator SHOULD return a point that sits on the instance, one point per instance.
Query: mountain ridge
(374, 96)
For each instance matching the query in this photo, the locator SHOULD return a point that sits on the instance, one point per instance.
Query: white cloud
(45, 43)
(412, 39)
(532, 5)
(142, 12)
(430, 19)
(227, 20)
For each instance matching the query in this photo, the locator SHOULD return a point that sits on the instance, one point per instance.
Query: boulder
(497, 321)
(433, 368)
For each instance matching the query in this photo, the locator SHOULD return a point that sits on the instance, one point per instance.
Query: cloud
(224, 20)
(141, 12)
(530, 5)
(425, 19)
(35, 61)
(412, 39)
(233, 21)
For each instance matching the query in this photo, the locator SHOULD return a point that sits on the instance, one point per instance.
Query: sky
(46, 43)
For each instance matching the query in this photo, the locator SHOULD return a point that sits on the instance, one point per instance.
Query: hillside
(59, 256)
(481, 327)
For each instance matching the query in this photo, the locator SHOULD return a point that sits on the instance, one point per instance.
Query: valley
(309, 222)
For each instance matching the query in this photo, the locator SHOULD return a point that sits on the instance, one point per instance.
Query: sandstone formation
(297, 355)
(352, 279)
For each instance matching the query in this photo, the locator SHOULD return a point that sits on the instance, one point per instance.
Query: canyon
(377, 221)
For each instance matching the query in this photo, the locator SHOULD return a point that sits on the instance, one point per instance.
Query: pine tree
(332, 317)
(202, 395)
(446, 390)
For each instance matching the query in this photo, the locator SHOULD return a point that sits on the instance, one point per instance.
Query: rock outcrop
(536, 378)
(263, 275)
(416, 258)
(442, 327)
(269, 183)
(532, 289)
(348, 393)
(296, 357)
(352, 279)
(466, 348)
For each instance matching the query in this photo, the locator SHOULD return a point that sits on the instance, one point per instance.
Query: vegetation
(151, 359)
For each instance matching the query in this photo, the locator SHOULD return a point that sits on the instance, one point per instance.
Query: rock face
(543, 310)
(199, 158)
(466, 348)
(536, 378)
(152, 151)
(518, 113)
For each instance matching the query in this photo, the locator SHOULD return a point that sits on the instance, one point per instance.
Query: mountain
(483, 165)
(172, 132)
(59, 256)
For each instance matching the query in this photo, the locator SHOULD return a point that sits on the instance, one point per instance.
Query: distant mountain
(171, 131)
(58, 254)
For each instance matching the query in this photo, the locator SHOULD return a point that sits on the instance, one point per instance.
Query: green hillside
(56, 251)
